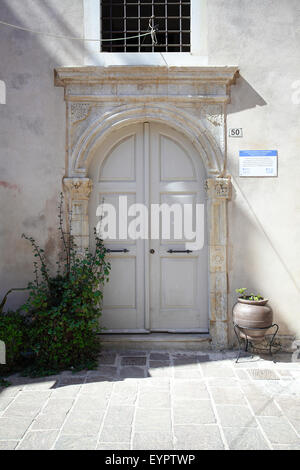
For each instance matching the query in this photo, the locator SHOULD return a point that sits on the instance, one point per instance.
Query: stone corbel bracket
(218, 192)
(77, 192)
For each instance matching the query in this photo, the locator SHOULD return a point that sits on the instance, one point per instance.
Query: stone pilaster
(219, 192)
(77, 191)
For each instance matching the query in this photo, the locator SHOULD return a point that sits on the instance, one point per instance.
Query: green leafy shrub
(64, 309)
(13, 331)
(243, 295)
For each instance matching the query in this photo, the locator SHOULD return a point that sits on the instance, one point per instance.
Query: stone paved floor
(157, 400)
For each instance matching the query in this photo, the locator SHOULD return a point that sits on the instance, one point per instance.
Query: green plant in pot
(252, 314)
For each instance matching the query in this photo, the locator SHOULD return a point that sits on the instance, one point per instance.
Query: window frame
(92, 30)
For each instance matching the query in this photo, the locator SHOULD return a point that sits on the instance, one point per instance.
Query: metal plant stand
(239, 329)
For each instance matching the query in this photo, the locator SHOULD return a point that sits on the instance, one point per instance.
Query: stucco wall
(262, 37)
(32, 130)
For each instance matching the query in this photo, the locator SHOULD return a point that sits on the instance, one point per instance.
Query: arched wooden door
(154, 285)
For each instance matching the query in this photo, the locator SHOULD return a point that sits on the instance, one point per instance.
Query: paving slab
(192, 389)
(156, 399)
(159, 357)
(163, 400)
(8, 445)
(14, 428)
(278, 430)
(198, 437)
(263, 374)
(227, 396)
(152, 441)
(195, 412)
(4, 402)
(132, 372)
(183, 373)
(124, 394)
(49, 421)
(245, 439)
(264, 407)
(113, 446)
(112, 434)
(236, 416)
(133, 361)
(76, 443)
(38, 440)
(212, 370)
(165, 371)
(153, 419)
(83, 424)
(103, 371)
(107, 359)
(119, 415)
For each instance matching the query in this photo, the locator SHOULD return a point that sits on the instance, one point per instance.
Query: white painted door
(151, 288)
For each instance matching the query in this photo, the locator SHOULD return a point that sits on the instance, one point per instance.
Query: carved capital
(78, 189)
(219, 188)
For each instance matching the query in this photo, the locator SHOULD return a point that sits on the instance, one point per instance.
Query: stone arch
(124, 95)
(172, 116)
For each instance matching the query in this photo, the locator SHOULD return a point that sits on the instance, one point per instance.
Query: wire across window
(128, 18)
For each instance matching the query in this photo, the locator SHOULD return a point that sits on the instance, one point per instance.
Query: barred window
(128, 18)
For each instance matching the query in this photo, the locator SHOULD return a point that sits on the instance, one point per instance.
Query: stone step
(157, 341)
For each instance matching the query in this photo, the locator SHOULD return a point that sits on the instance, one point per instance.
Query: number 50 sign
(236, 132)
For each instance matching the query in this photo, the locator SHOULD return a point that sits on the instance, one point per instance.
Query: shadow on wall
(32, 128)
(45, 16)
(252, 264)
(243, 96)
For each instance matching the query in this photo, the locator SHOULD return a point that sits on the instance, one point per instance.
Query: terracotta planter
(253, 314)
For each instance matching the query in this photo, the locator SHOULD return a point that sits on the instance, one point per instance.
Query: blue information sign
(258, 162)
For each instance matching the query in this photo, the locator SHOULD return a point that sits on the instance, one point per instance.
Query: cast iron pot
(253, 314)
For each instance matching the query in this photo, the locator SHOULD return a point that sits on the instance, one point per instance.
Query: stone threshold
(156, 341)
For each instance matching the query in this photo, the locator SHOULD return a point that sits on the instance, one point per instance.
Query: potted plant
(252, 314)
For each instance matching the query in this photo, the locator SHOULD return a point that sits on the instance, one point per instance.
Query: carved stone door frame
(191, 100)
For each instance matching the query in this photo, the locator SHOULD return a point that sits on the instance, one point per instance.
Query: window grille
(122, 19)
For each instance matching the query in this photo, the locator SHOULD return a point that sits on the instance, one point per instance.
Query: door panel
(178, 281)
(120, 164)
(175, 162)
(117, 171)
(163, 291)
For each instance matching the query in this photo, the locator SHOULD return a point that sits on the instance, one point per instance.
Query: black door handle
(118, 251)
(180, 251)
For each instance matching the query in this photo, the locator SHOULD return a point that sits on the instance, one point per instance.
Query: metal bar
(111, 23)
(139, 24)
(239, 341)
(125, 25)
(152, 47)
(272, 340)
(180, 251)
(118, 251)
(166, 24)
